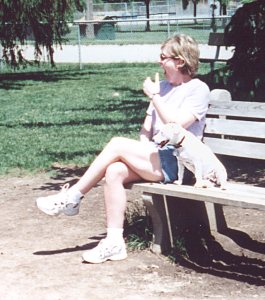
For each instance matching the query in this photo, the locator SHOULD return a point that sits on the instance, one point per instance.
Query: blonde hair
(185, 48)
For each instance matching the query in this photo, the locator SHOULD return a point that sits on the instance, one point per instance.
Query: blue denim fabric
(168, 163)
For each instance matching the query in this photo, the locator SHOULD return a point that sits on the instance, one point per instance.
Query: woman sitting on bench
(179, 98)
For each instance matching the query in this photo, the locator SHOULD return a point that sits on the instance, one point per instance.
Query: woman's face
(170, 65)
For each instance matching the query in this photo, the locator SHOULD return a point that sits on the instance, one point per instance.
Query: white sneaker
(60, 203)
(105, 250)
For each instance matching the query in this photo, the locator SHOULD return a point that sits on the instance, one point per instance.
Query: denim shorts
(168, 163)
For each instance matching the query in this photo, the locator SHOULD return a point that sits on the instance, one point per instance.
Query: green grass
(67, 115)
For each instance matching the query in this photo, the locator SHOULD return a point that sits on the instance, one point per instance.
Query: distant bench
(233, 128)
(215, 51)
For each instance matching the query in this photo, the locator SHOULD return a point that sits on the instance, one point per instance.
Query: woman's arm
(152, 90)
(183, 117)
(146, 130)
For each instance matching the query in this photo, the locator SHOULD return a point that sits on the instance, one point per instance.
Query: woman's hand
(150, 87)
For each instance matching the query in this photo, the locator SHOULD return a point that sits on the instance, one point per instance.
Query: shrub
(246, 31)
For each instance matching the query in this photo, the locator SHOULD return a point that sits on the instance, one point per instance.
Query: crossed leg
(122, 161)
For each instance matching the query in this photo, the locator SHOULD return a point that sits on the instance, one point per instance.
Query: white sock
(115, 234)
(75, 194)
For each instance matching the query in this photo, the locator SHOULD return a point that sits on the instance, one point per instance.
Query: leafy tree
(246, 31)
(45, 20)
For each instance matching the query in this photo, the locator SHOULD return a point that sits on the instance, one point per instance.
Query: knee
(115, 173)
(117, 140)
(116, 143)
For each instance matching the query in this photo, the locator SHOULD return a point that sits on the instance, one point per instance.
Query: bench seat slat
(236, 148)
(254, 198)
(238, 109)
(235, 128)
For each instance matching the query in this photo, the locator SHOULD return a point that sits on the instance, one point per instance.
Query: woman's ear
(180, 63)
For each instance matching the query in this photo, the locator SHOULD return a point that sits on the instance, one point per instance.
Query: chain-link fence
(111, 32)
(126, 23)
(159, 8)
(142, 30)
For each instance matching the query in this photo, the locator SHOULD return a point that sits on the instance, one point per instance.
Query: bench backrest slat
(236, 148)
(238, 109)
(236, 128)
(216, 39)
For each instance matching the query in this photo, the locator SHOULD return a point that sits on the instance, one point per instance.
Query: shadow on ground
(84, 247)
(204, 253)
(62, 175)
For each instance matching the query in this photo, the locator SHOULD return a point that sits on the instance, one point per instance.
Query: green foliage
(246, 31)
(137, 228)
(179, 250)
(138, 241)
(44, 20)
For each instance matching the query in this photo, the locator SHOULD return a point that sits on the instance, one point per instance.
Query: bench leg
(216, 217)
(190, 213)
(184, 212)
(157, 210)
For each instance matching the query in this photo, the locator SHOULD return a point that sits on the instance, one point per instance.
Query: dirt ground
(40, 256)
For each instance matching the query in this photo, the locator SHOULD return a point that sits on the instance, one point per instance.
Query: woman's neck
(181, 80)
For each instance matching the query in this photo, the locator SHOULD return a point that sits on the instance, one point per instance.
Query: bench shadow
(205, 255)
(244, 240)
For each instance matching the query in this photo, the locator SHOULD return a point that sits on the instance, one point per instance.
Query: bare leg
(122, 161)
(141, 158)
(113, 246)
(117, 175)
(126, 159)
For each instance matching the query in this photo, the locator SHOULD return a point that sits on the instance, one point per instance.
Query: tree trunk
(89, 17)
(224, 9)
(147, 5)
(195, 10)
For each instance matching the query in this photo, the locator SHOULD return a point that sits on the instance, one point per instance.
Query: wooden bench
(216, 50)
(233, 128)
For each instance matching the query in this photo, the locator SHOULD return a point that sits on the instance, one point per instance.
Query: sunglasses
(164, 57)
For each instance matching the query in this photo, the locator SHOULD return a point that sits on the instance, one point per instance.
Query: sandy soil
(40, 256)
